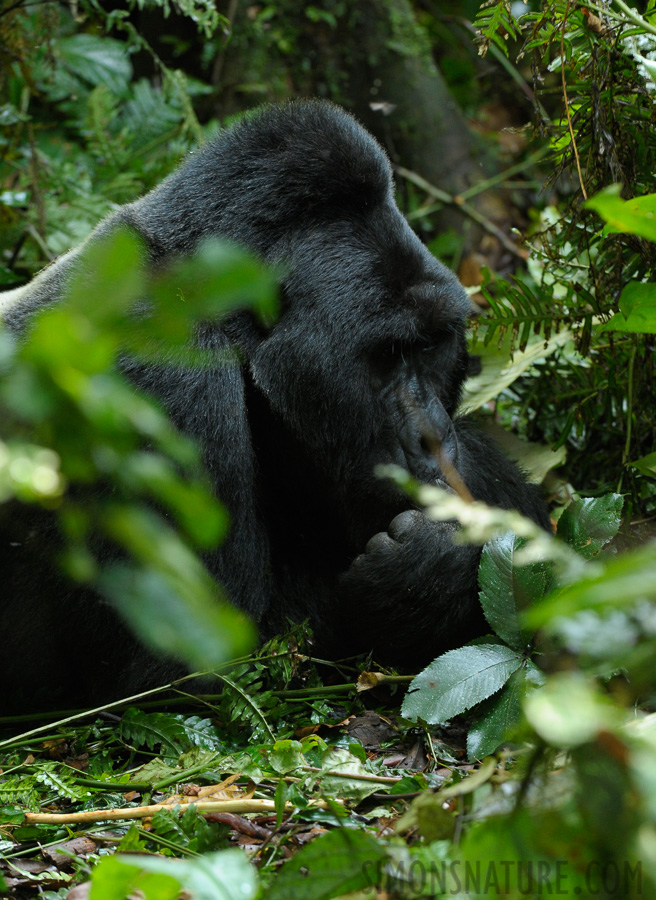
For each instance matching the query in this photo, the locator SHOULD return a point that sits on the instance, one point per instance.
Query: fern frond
(242, 703)
(496, 25)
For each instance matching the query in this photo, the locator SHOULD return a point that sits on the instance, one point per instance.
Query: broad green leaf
(338, 759)
(533, 853)
(588, 524)
(286, 756)
(219, 278)
(646, 465)
(536, 460)
(567, 712)
(506, 588)
(113, 878)
(624, 580)
(226, 875)
(97, 60)
(497, 595)
(458, 680)
(109, 267)
(202, 517)
(637, 216)
(172, 603)
(637, 310)
(338, 863)
(203, 633)
(500, 714)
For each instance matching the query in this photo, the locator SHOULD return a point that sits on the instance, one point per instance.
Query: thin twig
(459, 203)
(98, 709)
(567, 113)
(379, 779)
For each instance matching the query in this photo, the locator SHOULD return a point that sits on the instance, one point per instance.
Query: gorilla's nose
(428, 437)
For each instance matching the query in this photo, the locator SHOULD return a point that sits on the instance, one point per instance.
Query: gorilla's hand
(411, 591)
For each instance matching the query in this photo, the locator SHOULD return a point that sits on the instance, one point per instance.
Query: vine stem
(567, 113)
(635, 17)
(629, 415)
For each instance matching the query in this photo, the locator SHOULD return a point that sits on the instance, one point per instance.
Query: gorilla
(368, 353)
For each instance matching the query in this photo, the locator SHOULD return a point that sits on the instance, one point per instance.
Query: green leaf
(109, 267)
(338, 759)
(286, 756)
(113, 878)
(497, 596)
(97, 60)
(172, 732)
(637, 216)
(588, 524)
(637, 310)
(226, 875)
(340, 862)
(500, 368)
(624, 580)
(500, 714)
(646, 465)
(458, 680)
(535, 459)
(567, 711)
(506, 588)
(172, 603)
(218, 279)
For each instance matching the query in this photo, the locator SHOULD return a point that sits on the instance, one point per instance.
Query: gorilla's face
(369, 351)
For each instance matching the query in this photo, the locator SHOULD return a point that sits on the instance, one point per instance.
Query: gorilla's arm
(413, 593)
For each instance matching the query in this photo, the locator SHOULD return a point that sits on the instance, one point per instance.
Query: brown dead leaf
(79, 892)
(368, 680)
(62, 854)
(226, 790)
(371, 729)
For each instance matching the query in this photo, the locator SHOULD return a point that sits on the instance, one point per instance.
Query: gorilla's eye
(389, 358)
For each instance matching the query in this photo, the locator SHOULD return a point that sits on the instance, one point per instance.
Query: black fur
(371, 330)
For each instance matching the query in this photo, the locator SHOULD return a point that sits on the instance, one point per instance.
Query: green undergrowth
(486, 775)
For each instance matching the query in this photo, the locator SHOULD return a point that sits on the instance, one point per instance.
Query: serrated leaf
(458, 680)
(245, 705)
(591, 522)
(337, 863)
(172, 732)
(500, 714)
(505, 588)
(59, 781)
(495, 576)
